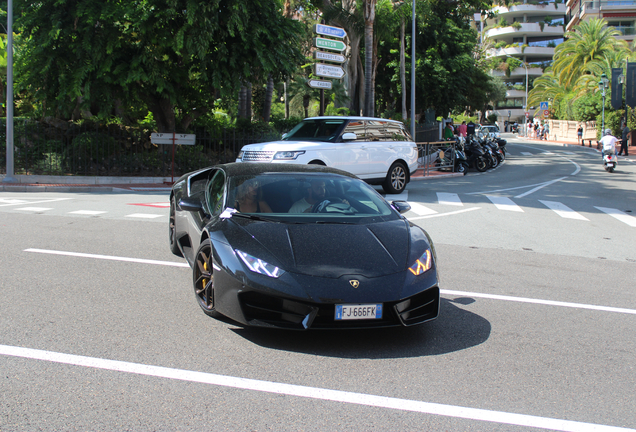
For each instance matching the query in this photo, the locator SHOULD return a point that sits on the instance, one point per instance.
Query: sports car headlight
(259, 266)
(422, 264)
(288, 155)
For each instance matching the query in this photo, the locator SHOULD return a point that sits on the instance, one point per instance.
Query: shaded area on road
(454, 330)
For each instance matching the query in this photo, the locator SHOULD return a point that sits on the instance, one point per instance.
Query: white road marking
(542, 302)
(18, 201)
(143, 216)
(421, 210)
(108, 257)
(87, 212)
(309, 392)
(526, 153)
(545, 184)
(444, 214)
(35, 209)
(503, 203)
(621, 216)
(449, 199)
(547, 153)
(563, 210)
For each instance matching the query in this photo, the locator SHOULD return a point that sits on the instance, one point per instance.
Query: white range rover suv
(379, 151)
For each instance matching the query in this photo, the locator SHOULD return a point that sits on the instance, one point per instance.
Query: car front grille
(265, 310)
(257, 156)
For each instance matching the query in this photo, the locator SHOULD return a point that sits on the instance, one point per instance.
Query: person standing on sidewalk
(624, 141)
(579, 134)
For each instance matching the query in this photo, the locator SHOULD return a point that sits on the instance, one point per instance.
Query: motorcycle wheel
(461, 168)
(481, 164)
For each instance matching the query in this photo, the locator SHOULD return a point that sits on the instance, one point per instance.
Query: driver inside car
(314, 194)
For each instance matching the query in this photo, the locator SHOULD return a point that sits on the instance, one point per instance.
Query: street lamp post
(603, 84)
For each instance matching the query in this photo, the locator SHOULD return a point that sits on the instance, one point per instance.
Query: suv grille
(258, 156)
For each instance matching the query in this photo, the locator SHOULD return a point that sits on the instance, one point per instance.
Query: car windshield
(316, 130)
(306, 198)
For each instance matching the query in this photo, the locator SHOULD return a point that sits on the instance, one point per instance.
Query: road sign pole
(322, 102)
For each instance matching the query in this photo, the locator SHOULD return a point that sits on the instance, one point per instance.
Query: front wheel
(203, 279)
(461, 168)
(481, 164)
(396, 179)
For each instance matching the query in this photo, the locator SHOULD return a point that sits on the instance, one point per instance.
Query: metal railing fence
(114, 150)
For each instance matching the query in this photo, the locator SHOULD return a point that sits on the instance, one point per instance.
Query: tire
(172, 230)
(481, 164)
(396, 179)
(203, 279)
(494, 162)
(461, 168)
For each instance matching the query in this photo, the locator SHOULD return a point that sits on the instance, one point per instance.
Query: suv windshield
(307, 198)
(316, 130)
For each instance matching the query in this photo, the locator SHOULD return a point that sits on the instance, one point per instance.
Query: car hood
(289, 145)
(332, 250)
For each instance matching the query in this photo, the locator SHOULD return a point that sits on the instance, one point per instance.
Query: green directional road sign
(329, 44)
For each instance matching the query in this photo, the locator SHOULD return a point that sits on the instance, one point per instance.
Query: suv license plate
(358, 311)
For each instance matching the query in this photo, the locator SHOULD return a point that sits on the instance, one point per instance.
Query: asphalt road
(100, 329)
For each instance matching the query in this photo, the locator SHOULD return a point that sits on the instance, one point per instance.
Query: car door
(352, 154)
(380, 149)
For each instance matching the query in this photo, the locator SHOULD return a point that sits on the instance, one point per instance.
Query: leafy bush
(92, 146)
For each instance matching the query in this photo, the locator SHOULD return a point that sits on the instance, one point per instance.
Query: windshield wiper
(334, 223)
(254, 217)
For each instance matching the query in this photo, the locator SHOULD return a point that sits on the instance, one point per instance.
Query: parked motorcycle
(476, 156)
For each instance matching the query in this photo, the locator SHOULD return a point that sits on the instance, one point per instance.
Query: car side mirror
(191, 205)
(349, 136)
(401, 206)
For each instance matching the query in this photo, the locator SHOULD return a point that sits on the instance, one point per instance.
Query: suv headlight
(288, 155)
(240, 155)
(259, 266)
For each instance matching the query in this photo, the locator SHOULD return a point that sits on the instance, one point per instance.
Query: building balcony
(520, 72)
(515, 94)
(528, 29)
(530, 10)
(598, 8)
(529, 52)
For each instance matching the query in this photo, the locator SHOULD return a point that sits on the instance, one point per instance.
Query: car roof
(352, 118)
(239, 168)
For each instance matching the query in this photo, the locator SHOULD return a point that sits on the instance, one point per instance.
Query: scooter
(609, 160)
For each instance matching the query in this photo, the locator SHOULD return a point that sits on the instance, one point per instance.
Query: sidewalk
(38, 183)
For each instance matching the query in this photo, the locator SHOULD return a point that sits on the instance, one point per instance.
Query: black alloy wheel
(481, 164)
(203, 278)
(395, 179)
(174, 247)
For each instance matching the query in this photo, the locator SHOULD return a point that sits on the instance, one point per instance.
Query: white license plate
(358, 311)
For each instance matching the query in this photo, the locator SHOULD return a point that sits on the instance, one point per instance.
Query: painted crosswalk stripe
(562, 210)
(449, 199)
(34, 209)
(87, 212)
(621, 216)
(421, 210)
(526, 153)
(503, 203)
(143, 216)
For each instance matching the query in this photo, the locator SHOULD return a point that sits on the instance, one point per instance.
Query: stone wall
(564, 130)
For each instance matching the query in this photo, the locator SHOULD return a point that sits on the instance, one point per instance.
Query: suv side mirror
(349, 136)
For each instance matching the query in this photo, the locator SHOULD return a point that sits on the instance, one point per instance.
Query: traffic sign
(546, 113)
(326, 30)
(170, 138)
(319, 84)
(327, 56)
(329, 44)
(544, 106)
(527, 114)
(329, 71)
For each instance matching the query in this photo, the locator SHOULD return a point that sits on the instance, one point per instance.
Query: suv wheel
(396, 179)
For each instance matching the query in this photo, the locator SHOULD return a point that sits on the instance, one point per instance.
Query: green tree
(176, 56)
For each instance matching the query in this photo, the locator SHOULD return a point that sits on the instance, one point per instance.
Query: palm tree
(590, 40)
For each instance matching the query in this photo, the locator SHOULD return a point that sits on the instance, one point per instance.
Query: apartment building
(527, 31)
(620, 14)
